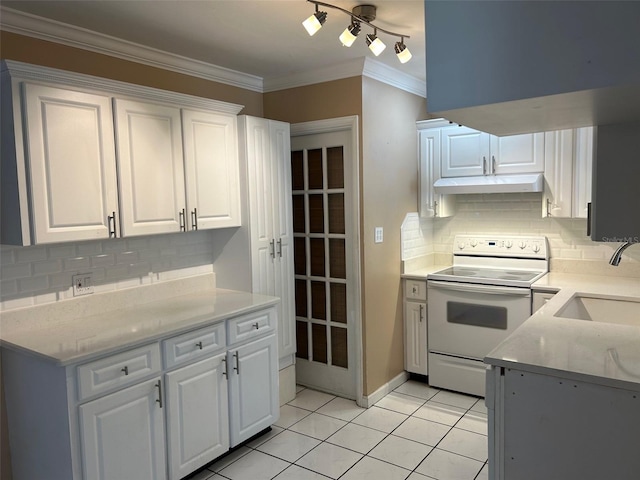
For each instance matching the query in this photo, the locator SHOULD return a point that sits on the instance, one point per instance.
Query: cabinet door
(583, 166)
(415, 337)
(71, 160)
(517, 153)
(257, 150)
(211, 169)
(558, 173)
(150, 168)
(431, 204)
(254, 393)
(197, 415)
(122, 435)
(465, 152)
(283, 233)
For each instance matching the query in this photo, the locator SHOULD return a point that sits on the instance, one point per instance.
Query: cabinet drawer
(415, 289)
(251, 325)
(118, 370)
(193, 345)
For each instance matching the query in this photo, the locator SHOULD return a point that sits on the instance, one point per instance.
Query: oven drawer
(415, 289)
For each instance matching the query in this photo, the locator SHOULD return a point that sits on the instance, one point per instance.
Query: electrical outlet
(82, 284)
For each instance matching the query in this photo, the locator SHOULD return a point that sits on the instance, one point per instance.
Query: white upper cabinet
(176, 157)
(211, 169)
(429, 154)
(150, 168)
(567, 173)
(70, 164)
(469, 152)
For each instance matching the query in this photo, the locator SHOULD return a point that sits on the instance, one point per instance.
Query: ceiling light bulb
(403, 53)
(314, 22)
(375, 44)
(350, 33)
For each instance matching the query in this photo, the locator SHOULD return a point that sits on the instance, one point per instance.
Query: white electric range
(478, 302)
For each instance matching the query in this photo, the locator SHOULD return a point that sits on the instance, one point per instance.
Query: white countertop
(597, 352)
(421, 273)
(78, 331)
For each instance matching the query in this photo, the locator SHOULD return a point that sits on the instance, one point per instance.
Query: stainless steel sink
(619, 310)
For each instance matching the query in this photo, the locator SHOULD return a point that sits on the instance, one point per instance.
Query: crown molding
(364, 66)
(29, 25)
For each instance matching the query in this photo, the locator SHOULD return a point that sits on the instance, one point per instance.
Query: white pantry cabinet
(133, 415)
(60, 150)
(265, 147)
(415, 326)
(431, 204)
(568, 164)
(469, 152)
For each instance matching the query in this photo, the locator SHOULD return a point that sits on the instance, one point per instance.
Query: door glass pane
(302, 340)
(299, 256)
(318, 301)
(338, 302)
(314, 160)
(339, 356)
(337, 262)
(297, 170)
(479, 315)
(336, 212)
(335, 167)
(298, 213)
(316, 246)
(301, 298)
(319, 342)
(316, 214)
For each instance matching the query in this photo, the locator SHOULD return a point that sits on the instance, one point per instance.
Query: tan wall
(39, 52)
(389, 191)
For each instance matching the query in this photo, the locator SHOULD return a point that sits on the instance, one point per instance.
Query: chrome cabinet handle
(280, 247)
(224, 372)
(435, 209)
(199, 345)
(272, 248)
(194, 219)
(159, 386)
(183, 225)
(125, 370)
(112, 231)
(237, 367)
(493, 164)
(256, 325)
(484, 165)
(421, 312)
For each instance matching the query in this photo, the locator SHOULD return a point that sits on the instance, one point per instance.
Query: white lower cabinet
(197, 420)
(133, 416)
(415, 327)
(122, 434)
(253, 388)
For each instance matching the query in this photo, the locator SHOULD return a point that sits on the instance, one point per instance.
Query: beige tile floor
(416, 432)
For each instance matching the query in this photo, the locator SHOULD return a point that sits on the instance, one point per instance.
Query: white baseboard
(369, 400)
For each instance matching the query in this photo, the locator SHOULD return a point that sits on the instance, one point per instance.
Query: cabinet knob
(125, 370)
(256, 325)
(199, 345)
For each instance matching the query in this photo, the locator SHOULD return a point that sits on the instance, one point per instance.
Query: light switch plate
(378, 235)
(82, 284)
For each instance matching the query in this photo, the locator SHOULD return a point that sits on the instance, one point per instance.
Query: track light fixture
(360, 14)
(315, 21)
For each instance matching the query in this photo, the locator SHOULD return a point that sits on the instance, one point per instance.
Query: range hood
(490, 184)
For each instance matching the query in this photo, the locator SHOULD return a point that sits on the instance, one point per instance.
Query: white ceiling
(259, 37)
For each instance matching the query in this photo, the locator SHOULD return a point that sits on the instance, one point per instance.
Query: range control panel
(501, 246)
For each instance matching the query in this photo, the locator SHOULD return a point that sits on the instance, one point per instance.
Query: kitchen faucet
(615, 258)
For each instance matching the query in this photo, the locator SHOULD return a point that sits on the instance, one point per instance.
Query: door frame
(350, 124)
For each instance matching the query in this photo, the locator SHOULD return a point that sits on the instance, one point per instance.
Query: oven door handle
(474, 288)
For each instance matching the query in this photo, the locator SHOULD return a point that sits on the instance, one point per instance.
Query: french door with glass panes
(323, 258)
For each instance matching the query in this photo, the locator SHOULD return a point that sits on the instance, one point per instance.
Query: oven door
(470, 320)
